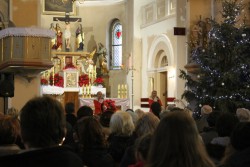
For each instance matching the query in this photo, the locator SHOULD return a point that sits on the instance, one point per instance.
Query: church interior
(71, 49)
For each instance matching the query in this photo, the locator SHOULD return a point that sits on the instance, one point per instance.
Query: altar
(74, 78)
(123, 104)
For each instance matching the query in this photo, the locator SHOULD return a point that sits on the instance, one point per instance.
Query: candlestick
(53, 76)
(118, 91)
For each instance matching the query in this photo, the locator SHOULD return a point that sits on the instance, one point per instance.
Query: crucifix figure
(67, 29)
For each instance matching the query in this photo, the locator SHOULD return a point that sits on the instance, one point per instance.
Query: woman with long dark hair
(176, 143)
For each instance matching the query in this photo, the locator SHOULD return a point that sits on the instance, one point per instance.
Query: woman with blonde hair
(144, 126)
(178, 142)
(121, 127)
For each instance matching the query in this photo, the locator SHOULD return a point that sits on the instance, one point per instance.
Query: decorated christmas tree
(223, 76)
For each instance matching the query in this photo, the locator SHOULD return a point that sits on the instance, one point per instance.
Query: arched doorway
(160, 64)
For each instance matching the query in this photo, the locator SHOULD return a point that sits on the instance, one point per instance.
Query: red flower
(44, 81)
(98, 80)
(83, 80)
(110, 104)
(58, 80)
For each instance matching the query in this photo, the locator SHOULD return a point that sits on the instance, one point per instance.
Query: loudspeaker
(6, 85)
(179, 31)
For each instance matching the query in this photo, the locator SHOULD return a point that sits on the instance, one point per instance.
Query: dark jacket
(240, 159)
(96, 157)
(117, 146)
(47, 157)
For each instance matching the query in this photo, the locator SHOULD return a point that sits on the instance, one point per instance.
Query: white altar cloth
(55, 90)
(124, 103)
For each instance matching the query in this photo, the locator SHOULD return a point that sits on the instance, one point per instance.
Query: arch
(159, 45)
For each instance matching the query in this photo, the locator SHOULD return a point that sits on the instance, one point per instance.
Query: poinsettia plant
(98, 80)
(44, 81)
(83, 80)
(110, 104)
(58, 80)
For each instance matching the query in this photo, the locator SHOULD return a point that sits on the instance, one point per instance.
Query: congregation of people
(45, 133)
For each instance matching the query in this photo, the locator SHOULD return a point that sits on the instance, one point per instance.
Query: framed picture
(58, 7)
(71, 78)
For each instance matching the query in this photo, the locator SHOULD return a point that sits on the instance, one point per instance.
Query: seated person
(43, 128)
(9, 133)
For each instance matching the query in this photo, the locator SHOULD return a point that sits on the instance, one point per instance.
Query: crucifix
(67, 31)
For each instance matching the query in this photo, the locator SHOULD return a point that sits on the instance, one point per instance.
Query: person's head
(153, 93)
(243, 114)
(121, 123)
(146, 124)
(84, 111)
(156, 108)
(133, 115)
(99, 95)
(9, 129)
(139, 112)
(43, 122)
(225, 124)
(13, 112)
(206, 109)
(240, 138)
(105, 118)
(90, 132)
(177, 135)
(69, 108)
(212, 118)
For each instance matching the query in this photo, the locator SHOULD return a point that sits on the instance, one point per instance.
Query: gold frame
(60, 8)
(71, 78)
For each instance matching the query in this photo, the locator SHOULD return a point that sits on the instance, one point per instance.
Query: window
(116, 45)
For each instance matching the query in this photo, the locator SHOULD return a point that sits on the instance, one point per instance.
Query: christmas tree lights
(223, 79)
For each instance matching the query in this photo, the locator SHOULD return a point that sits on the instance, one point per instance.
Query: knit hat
(240, 138)
(206, 109)
(243, 114)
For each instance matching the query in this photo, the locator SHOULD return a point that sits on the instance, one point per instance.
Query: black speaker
(6, 85)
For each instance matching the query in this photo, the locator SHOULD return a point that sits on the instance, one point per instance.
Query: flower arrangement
(69, 66)
(44, 81)
(98, 81)
(110, 104)
(58, 80)
(83, 80)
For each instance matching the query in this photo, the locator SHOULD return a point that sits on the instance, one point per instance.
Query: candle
(53, 76)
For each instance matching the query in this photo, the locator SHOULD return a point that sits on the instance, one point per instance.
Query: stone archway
(160, 61)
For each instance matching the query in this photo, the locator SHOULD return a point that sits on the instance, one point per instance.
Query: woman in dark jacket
(93, 150)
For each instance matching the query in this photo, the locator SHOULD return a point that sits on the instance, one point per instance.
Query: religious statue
(79, 38)
(58, 37)
(67, 32)
(100, 60)
(53, 40)
(199, 33)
